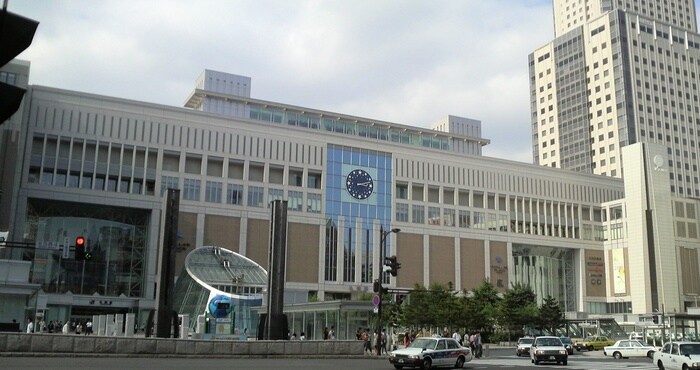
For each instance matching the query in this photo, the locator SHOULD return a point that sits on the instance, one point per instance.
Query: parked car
(427, 352)
(524, 345)
(629, 348)
(678, 356)
(594, 342)
(568, 344)
(548, 349)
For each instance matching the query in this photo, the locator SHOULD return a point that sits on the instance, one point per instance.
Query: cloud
(409, 61)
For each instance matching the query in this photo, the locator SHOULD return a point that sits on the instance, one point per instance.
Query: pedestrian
(365, 338)
(477, 344)
(302, 336)
(384, 341)
(66, 328)
(294, 336)
(88, 327)
(30, 326)
(456, 336)
(331, 333)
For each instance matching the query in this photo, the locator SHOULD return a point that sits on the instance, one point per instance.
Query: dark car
(568, 344)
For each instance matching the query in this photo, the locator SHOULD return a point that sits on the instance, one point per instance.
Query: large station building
(75, 163)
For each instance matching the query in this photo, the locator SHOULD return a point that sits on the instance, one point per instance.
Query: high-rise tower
(618, 72)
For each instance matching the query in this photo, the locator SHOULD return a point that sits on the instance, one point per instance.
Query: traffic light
(377, 286)
(16, 34)
(399, 299)
(393, 264)
(81, 252)
(655, 319)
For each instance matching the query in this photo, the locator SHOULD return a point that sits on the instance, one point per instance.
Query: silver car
(548, 349)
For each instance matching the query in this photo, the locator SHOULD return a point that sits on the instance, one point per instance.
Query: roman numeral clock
(359, 184)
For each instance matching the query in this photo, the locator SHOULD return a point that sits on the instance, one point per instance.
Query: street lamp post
(382, 248)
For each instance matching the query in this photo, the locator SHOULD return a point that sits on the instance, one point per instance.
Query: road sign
(376, 309)
(376, 300)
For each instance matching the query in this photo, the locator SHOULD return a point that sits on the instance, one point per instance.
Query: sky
(404, 61)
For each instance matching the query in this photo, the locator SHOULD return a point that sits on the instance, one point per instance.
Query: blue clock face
(359, 184)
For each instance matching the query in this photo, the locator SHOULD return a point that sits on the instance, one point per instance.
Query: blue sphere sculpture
(220, 306)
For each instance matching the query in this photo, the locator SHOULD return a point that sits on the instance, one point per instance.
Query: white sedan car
(629, 348)
(427, 352)
(678, 356)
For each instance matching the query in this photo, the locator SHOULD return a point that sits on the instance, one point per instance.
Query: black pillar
(276, 322)
(166, 284)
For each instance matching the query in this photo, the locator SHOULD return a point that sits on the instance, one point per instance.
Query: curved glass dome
(211, 271)
(221, 269)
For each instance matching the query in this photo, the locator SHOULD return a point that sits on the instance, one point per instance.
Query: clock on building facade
(359, 184)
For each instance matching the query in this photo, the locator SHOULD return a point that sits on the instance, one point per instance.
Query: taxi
(428, 352)
(594, 342)
(678, 356)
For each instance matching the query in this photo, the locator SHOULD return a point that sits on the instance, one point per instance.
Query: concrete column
(129, 327)
(184, 326)
(102, 319)
(119, 324)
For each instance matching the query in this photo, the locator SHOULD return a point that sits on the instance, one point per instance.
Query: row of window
(349, 127)
(496, 222)
(254, 196)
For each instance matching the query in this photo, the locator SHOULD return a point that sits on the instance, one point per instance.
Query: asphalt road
(497, 359)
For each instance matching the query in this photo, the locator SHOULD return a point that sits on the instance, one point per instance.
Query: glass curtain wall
(548, 271)
(116, 238)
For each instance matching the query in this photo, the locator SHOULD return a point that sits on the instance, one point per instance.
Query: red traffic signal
(80, 248)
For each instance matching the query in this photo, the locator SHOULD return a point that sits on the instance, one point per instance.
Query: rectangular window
(168, 182)
(418, 214)
(465, 219)
(434, 215)
(235, 170)
(273, 195)
(401, 191)
(255, 196)
(448, 217)
(401, 212)
(314, 181)
(479, 220)
(276, 175)
(191, 189)
(234, 194)
(296, 201)
(313, 203)
(296, 177)
(213, 192)
(193, 164)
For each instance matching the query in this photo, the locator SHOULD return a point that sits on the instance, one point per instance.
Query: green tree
(419, 304)
(550, 315)
(517, 309)
(480, 307)
(431, 308)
